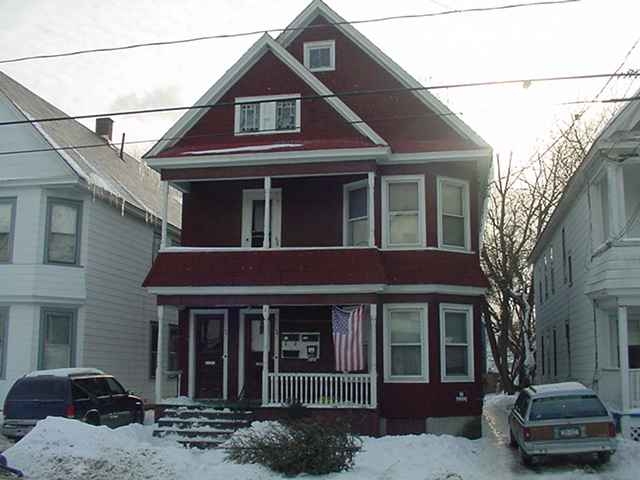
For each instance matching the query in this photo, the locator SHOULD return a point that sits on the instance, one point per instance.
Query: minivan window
(95, 386)
(39, 389)
(569, 406)
(115, 387)
(78, 392)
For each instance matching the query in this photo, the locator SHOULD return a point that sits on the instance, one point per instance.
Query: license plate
(569, 432)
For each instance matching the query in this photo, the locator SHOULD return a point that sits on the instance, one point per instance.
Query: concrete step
(208, 413)
(193, 433)
(197, 422)
(200, 444)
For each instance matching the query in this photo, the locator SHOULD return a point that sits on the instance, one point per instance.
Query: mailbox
(300, 345)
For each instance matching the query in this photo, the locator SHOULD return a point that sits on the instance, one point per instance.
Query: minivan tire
(92, 418)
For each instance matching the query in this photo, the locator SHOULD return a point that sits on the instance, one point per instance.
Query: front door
(254, 331)
(210, 351)
(253, 230)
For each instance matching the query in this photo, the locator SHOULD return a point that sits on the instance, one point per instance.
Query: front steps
(201, 426)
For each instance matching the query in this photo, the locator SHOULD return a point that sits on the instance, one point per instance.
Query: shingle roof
(101, 168)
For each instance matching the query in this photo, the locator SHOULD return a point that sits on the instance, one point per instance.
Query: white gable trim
(251, 56)
(319, 7)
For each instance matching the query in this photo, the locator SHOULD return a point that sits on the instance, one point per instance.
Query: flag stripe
(347, 338)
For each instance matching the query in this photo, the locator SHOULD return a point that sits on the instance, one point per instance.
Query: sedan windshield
(570, 406)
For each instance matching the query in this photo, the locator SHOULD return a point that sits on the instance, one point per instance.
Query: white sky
(587, 37)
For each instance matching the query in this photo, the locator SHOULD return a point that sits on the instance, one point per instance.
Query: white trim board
(320, 289)
(231, 76)
(318, 7)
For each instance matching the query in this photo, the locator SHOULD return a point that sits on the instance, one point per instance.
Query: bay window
(405, 343)
(456, 342)
(453, 214)
(356, 214)
(403, 208)
(264, 115)
(63, 232)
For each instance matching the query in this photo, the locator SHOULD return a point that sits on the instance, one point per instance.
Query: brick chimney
(104, 127)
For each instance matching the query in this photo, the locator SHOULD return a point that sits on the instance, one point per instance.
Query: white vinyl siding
(405, 340)
(356, 214)
(403, 212)
(453, 214)
(7, 228)
(267, 114)
(456, 342)
(320, 56)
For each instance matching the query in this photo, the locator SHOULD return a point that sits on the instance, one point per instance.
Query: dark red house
(324, 176)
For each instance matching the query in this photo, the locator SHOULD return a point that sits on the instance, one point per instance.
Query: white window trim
(424, 332)
(12, 202)
(346, 189)
(468, 310)
(422, 224)
(465, 210)
(308, 46)
(265, 99)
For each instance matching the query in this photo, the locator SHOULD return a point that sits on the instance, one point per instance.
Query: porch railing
(318, 390)
(634, 387)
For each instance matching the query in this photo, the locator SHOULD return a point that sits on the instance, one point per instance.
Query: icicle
(93, 192)
(122, 208)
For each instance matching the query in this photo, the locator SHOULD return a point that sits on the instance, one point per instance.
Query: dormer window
(320, 56)
(264, 115)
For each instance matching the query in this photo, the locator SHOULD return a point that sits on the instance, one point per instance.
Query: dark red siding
(400, 118)
(321, 126)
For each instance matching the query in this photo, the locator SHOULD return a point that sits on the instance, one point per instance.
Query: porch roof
(208, 267)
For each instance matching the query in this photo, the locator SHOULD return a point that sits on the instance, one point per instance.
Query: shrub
(302, 446)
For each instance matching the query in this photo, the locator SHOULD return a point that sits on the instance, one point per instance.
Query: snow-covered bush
(303, 446)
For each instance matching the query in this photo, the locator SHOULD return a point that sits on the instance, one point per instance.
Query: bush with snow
(303, 446)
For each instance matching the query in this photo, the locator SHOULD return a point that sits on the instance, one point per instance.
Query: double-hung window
(267, 115)
(453, 214)
(456, 342)
(63, 232)
(403, 208)
(57, 338)
(7, 227)
(405, 343)
(320, 56)
(356, 214)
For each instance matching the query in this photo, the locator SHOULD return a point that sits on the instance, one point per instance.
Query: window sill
(457, 380)
(406, 380)
(322, 69)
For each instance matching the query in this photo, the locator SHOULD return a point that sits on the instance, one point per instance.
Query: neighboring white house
(587, 274)
(78, 231)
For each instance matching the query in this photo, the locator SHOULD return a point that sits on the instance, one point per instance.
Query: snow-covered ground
(64, 449)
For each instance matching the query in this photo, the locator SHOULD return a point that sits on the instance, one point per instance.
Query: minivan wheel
(92, 418)
(138, 417)
(604, 457)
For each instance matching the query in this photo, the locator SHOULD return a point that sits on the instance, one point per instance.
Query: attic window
(320, 56)
(265, 115)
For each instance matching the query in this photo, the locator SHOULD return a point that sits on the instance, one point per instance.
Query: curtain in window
(63, 223)
(250, 117)
(453, 221)
(403, 213)
(405, 334)
(286, 115)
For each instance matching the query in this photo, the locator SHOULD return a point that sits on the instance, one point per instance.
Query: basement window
(320, 56)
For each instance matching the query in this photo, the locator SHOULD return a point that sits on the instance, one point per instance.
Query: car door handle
(210, 362)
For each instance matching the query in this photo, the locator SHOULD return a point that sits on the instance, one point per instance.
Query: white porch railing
(609, 388)
(634, 387)
(321, 390)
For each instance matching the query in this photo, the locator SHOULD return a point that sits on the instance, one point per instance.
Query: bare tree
(521, 202)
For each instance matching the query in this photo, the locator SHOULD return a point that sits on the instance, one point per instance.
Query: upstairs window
(320, 56)
(356, 214)
(453, 214)
(265, 115)
(7, 220)
(63, 232)
(403, 208)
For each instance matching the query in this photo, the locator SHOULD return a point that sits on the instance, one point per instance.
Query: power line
(354, 93)
(280, 30)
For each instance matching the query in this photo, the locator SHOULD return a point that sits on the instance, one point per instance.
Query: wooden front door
(210, 351)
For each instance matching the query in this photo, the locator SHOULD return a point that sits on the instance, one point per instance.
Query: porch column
(164, 213)
(372, 209)
(373, 367)
(623, 343)
(265, 354)
(191, 383)
(161, 349)
(266, 242)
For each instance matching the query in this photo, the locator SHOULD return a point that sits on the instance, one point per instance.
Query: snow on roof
(250, 148)
(564, 387)
(127, 179)
(65, 372)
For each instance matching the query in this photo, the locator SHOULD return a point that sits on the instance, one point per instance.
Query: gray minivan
(561, 419)
(85, 394)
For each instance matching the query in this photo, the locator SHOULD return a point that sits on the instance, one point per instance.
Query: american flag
(347, 338)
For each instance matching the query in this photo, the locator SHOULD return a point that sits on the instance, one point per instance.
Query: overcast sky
(591, 36)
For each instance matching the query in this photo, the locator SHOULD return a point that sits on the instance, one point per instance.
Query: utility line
(280, 30)
(355, 93)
